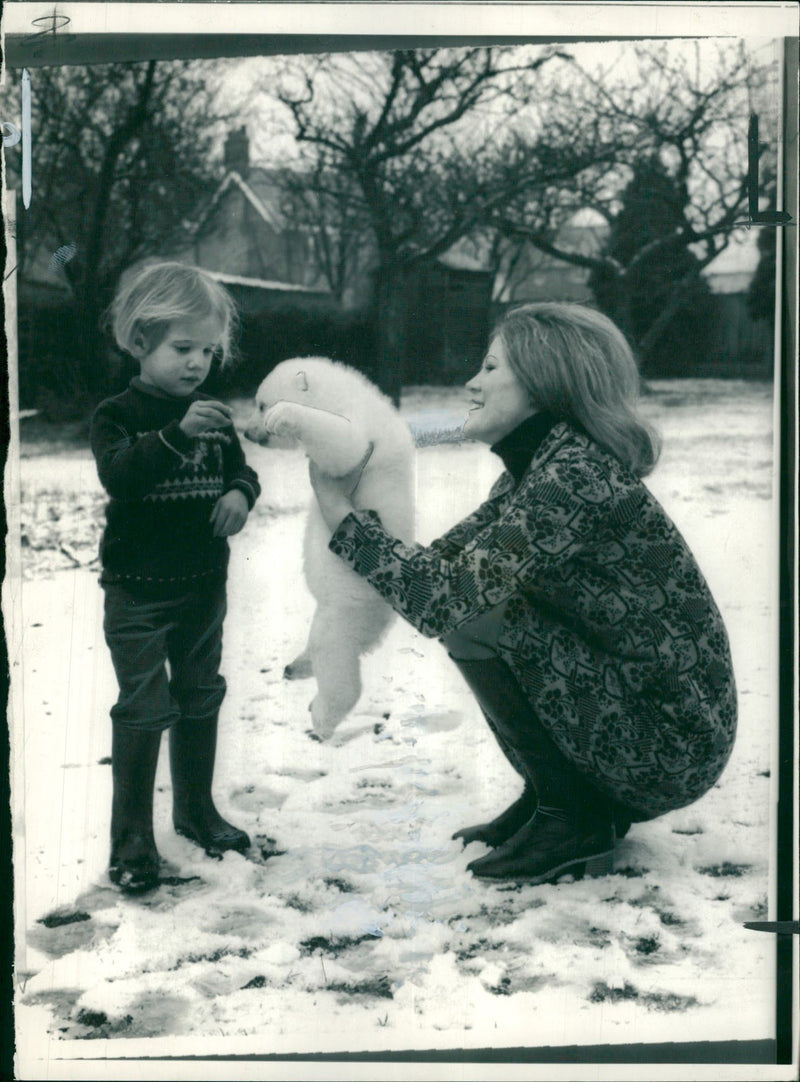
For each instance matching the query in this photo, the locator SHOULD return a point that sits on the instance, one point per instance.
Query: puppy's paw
(322, 734)
(299, 669)
(322, 728)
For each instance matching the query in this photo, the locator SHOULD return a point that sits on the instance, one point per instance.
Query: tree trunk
(391, 304)
(657, 328)
(89, 302)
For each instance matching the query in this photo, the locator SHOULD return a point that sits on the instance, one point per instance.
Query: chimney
(237, 152)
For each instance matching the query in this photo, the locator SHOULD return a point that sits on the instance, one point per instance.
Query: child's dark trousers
(166, 654)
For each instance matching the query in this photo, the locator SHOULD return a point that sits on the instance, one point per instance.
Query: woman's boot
(507, 822)
(192, 752)
(572, 827)
(554, 842)
(135, 863)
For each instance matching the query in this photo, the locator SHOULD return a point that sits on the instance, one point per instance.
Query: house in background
(449, 317)
(526, 274)
(244, 239)
(740, 346)
(247, 238)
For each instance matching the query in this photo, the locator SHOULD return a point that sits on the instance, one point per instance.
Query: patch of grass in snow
(647, 944)
(669, 919)
(333, 944)
(99, 1027)
(378, 987)
(668, 1001)
(92, 1018)
(725, 869)
(256, 982)
(59, 530)
(480, 946)
(631, 873)
(58, 917)
(267, 847)
(760, 909)
(211, 956)
(57, 940)
(604, 993)
(294, 901)
(339, 884)
(658, 1001)
(507, 910)
(502, 988)
(599, 937)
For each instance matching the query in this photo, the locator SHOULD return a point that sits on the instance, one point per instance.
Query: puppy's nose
(256, 434)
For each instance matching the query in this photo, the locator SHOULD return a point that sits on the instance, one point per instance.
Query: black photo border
(61, 46)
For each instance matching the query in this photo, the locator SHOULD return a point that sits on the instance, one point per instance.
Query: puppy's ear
(301, 381)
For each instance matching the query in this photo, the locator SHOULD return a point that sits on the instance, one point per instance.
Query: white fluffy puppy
(343, 422)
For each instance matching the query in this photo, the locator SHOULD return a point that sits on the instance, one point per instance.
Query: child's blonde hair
(153, 294)
(576, 364)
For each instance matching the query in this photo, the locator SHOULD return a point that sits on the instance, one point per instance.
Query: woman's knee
(477, 640)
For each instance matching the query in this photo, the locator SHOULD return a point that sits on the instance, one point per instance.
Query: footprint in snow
(339, 739)
(442, 722)
(240, 923)
(68, 929)
(301, 775)
(251, 798)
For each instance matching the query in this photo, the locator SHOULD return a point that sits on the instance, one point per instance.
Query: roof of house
(262, 188)
(733, 269)
(728, 281)
(259, 283)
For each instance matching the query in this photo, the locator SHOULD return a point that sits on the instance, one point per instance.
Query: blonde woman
(569, 601)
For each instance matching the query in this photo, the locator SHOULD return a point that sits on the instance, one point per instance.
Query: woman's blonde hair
(153, 294)
(576, 364)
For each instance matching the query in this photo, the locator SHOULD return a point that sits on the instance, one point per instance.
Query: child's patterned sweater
(163, 486)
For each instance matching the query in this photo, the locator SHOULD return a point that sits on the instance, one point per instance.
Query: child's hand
(205, 416)
(230, 513)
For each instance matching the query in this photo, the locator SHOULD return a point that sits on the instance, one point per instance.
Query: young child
(179, 486)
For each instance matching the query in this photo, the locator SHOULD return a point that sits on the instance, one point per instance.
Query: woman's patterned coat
(608, 624)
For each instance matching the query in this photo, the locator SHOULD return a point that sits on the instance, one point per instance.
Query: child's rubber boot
(192, 752)
(135, 864)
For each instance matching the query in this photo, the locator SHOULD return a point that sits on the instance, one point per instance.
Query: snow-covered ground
(353, 924)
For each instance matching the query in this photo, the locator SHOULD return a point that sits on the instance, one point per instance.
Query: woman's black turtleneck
(519, 446)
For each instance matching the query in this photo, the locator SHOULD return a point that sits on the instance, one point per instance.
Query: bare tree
(405, 132)
(121, 155)
(669, 103)
(324, 203)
